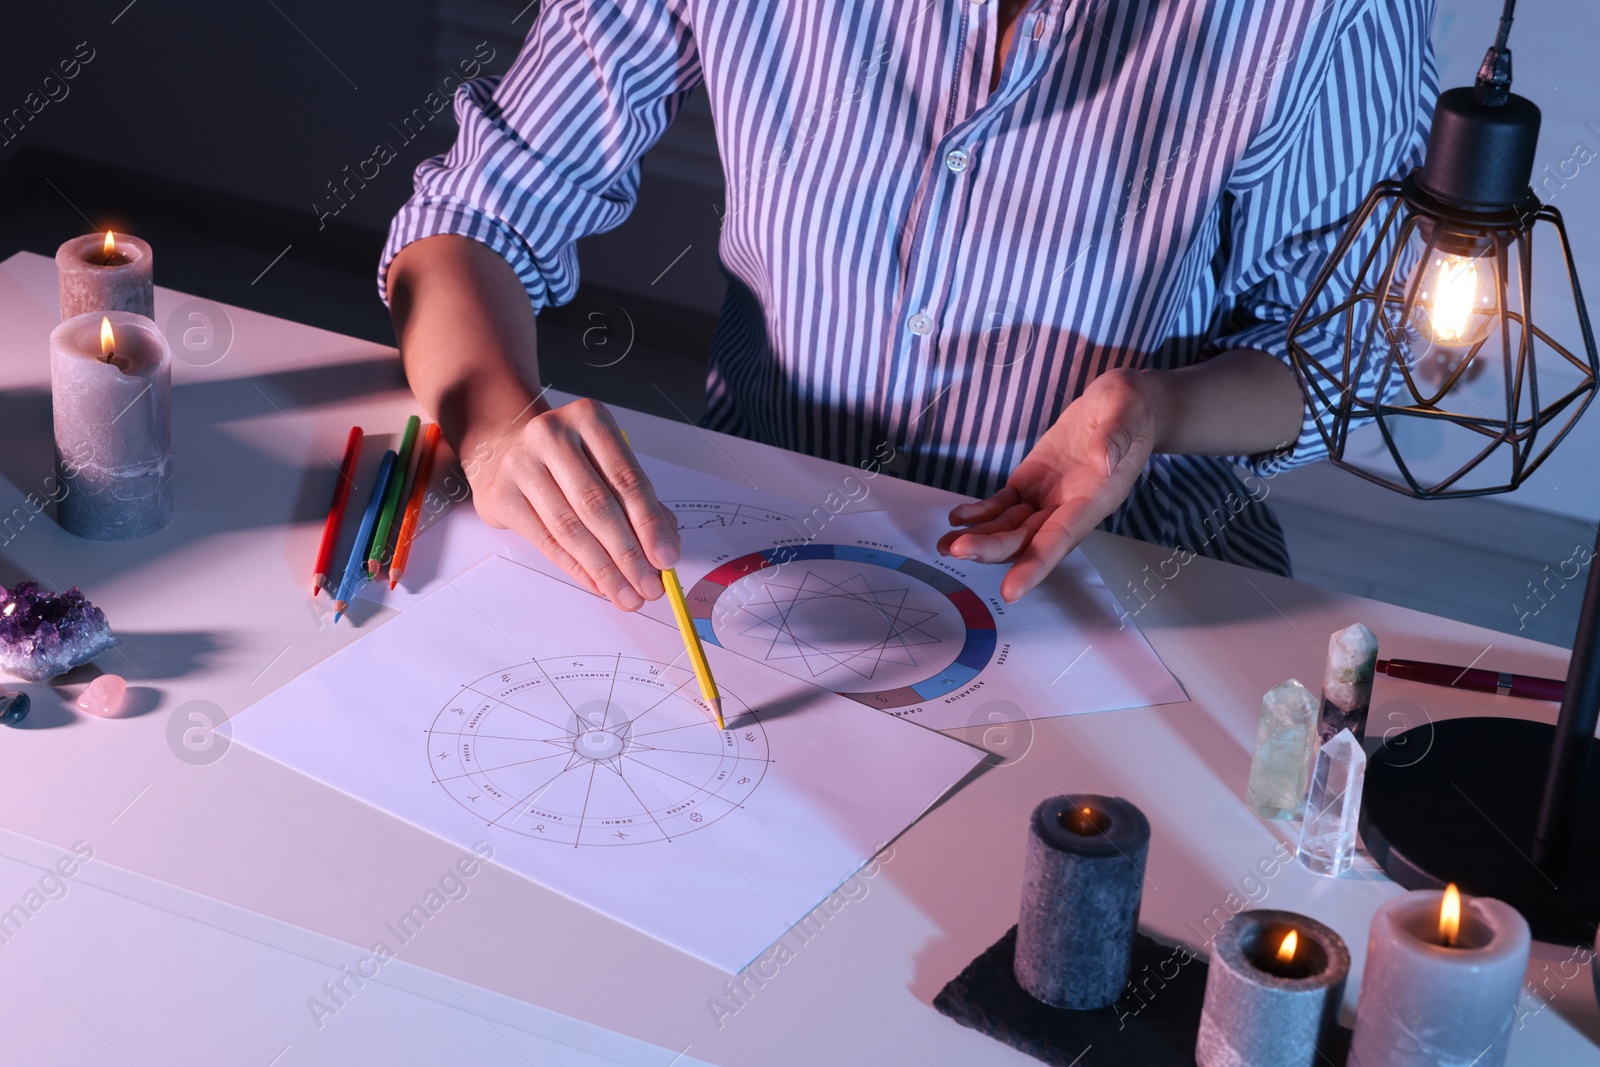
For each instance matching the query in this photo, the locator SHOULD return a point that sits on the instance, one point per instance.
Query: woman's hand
(567, 481)
(1079, 472)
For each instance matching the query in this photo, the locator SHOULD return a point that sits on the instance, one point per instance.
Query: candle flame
(1087, 812)
(108, 340)
(1291, 941)
(1450, 914)
(111, 244)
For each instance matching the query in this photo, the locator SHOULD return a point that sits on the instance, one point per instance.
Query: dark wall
(269, 100)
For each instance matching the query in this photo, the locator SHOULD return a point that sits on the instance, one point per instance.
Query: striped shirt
(922, 268)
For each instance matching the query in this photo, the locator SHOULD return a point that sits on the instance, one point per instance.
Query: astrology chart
(595, 750)
(867, 609)
(703, 514)
(869, 624)
(510, 708)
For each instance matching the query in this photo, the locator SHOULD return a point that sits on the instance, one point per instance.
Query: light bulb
(1456, 303)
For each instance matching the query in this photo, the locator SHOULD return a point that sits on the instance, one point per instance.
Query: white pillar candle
(113, 426)
(93, 280)
(1427, 1004)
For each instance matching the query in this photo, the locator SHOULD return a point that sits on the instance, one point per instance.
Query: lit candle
(105, 272)
(1273, 990)
(1441, 982)
(111, 394)
(1081, 888)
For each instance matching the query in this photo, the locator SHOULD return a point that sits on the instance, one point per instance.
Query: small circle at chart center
(598, 744)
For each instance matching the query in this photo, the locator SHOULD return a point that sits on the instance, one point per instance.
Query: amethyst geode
(44, 634)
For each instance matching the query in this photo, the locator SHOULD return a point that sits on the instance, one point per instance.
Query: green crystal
(1285, 740)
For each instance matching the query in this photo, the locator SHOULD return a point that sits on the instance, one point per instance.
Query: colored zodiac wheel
(869, 624)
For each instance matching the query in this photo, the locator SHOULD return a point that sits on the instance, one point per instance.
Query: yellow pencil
(691, 636)
(691, 641)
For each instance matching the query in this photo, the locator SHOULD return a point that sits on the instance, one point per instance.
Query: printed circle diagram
(705, 514)
(867, 623)
(595, 750)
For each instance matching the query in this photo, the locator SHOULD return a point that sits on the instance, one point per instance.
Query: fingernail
(667, 554)
(628, 600)
(1113, 457)
(970, 557)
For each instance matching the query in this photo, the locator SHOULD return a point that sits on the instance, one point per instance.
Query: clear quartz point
(1328, 836)
(1285, 741)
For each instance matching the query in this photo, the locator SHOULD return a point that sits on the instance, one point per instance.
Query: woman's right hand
(567, 481)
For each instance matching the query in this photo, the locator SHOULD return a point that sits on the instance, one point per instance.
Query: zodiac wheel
(869, 624)
(595, 750)
(704, 514)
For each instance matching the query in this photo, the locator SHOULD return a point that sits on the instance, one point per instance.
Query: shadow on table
(222, 483)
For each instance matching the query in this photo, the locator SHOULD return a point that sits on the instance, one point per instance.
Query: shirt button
(898, 463)
(957, 161)
(921, 324)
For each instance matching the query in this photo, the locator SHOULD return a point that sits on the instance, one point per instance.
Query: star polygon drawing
(863, 626)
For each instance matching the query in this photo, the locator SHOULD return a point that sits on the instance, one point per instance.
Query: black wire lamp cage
(1444, 293)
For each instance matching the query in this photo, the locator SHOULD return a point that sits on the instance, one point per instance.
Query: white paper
(512, 708)
(457, 539)
(868, 608)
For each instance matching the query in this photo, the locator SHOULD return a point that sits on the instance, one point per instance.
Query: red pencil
(341, 495)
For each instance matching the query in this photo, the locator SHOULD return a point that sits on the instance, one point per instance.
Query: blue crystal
(43, 634)
(13, 707)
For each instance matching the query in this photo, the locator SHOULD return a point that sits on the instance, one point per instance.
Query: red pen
(1477, 679)
(341, 494)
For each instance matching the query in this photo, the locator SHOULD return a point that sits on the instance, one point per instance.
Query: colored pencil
(691, 641)
(358, 551)
(391, 498)
(691, 636)
(419, 489)
(341, 496)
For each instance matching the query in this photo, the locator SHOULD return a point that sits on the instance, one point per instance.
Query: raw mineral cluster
(43, 634)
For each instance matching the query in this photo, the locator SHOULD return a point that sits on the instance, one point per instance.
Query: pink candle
(105, 272)
(1430, 998)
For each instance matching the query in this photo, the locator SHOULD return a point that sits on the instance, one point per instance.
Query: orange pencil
(419, 488)
(341, 496)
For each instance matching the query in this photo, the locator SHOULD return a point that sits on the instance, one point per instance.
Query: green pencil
(391, 498)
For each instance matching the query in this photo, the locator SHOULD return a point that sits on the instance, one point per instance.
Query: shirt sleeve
(1362, 117)
(550, 152)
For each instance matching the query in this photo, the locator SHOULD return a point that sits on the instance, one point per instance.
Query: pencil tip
(716, 708)
(392, 583)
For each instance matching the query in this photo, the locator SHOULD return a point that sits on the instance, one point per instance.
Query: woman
(1043, 253)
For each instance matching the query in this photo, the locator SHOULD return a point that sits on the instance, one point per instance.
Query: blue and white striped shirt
(919, 264)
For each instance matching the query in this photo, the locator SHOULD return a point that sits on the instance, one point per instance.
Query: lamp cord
(1493, 87)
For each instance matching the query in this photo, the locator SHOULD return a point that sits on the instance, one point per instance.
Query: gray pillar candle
(91, 279)
(1081, 886)
(1441, 982)
(113, 425)
(1273, 991)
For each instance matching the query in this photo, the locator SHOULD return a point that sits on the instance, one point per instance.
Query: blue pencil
(356, 569)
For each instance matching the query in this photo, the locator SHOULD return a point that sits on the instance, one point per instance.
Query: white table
(222, 895)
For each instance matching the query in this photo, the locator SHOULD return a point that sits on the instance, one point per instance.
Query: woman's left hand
(1079, 472)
